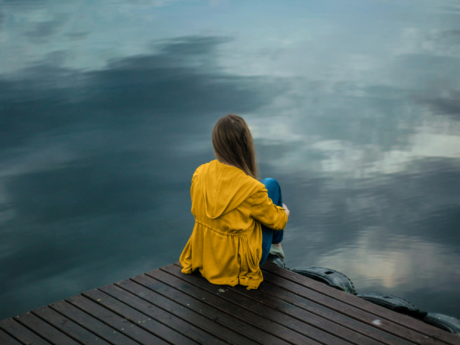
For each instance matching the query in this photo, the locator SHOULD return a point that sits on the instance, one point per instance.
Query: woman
(238, 219)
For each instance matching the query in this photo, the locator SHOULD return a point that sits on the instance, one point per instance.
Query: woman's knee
(273, 189)
(270, 182)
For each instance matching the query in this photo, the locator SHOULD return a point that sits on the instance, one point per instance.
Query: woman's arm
(265, 211)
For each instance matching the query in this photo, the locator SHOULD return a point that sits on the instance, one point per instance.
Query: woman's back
(229, 207)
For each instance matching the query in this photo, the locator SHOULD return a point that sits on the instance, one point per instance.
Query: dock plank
(22, 333)
(272, 295)
(347, 309)
(6, 339)
(121, 324)
(68, 327)
(92, 324)
(303, 327)
(199, 321)
(238, 311)
(53, 335)
(133, 312)
(358, 303)
(206, 305)
(165, 306)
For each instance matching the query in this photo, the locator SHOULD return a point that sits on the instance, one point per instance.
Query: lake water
(107, 108)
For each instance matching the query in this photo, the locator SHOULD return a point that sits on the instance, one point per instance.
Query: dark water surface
(107, 109)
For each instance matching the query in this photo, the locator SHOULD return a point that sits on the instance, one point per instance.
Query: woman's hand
(286, 209)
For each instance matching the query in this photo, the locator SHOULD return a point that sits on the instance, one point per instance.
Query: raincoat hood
(225, 187)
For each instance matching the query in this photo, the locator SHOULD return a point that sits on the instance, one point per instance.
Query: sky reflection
(107, 109)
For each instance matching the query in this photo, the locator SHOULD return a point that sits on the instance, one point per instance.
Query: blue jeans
(270, 236)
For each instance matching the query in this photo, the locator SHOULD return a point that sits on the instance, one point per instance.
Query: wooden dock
(165, 306)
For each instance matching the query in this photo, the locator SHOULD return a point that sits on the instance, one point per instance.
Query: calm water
(107, 109)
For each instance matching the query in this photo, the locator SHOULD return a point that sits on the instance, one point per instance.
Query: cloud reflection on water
(89, 167)
(106, 117)
(408, 267)
(401, 263)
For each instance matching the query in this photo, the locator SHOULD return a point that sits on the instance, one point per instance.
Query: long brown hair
(233, 144)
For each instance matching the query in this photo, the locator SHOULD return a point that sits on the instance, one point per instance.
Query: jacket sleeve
(265, 211)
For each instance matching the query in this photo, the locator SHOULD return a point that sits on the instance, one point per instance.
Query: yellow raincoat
(226, 243)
